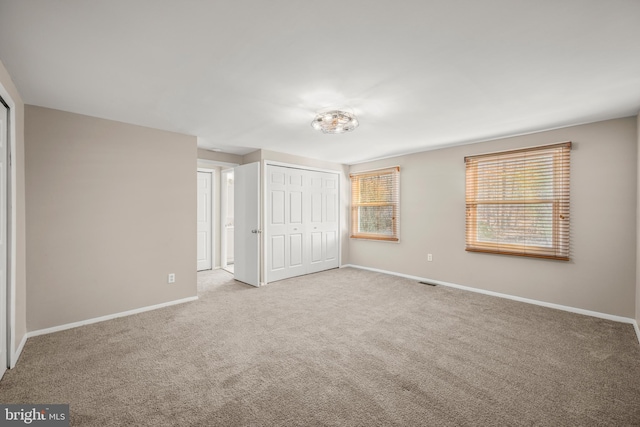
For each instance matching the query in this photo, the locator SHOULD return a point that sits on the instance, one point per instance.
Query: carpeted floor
(342, 347)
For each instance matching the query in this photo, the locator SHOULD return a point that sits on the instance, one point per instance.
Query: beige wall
(111, 211)
(254, 156)
(218, 156)
(601, 275)
(19, 167)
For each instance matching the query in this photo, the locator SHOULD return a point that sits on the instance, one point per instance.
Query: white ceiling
(249, 74)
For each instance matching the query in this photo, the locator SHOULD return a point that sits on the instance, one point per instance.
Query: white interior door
(205, 220)
(4, 138)
(323, 221)
(287, 235)
(247, 223)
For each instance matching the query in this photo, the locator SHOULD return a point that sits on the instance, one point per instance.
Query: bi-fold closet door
(302, 222)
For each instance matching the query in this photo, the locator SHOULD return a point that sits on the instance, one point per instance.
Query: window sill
(520, 254)
(379, 238)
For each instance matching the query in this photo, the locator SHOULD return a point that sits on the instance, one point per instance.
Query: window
(375, 204)
(518, 202)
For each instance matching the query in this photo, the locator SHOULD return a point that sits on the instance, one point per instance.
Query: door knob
(254, 231)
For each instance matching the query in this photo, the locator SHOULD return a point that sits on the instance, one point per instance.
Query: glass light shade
(335, 122)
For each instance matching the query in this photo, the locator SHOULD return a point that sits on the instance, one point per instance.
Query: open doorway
(226, 219)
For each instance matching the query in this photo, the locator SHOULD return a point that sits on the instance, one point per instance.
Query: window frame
(560, 246)
(394, 203)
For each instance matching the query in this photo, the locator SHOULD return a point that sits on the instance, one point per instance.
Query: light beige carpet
(343, 347)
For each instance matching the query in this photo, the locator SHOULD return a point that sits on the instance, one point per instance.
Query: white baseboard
(107, 317)
(18, 352)
(635, 326)
(507, 296)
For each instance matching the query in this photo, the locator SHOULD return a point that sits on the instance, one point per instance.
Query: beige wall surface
(111, 211)
(218, 156)
(601, 275)
(254, 156)
(19, 167)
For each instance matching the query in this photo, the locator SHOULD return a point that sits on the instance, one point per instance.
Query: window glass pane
(516, 224)
(375, 219)
(516, 179)
(376, 188)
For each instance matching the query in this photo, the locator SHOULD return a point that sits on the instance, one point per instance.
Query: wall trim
(107, 317)
(18, 352)
(635, 326)
(507, 296)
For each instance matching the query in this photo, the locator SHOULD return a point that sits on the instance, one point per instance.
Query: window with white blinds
(375, 204)
(518, 202)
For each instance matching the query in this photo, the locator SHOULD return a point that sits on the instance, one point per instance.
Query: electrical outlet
(429, 257)
(171, 278)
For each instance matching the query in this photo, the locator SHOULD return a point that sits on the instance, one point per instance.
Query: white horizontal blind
(518, 202)
(375, 204)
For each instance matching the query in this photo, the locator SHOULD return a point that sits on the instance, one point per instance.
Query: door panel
(202, 249)
(296, 247)
(277, 178)
(295, 179)
(247, 223)
(277, 207)
(316, 247)
(277, 250)
(316, 207)
(331, 252)
(295, 207)
(332, 212)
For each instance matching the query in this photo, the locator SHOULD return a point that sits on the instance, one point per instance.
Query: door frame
(12, 355)
(209, 164)
(223, 206)
(212, 249)
(264, 219)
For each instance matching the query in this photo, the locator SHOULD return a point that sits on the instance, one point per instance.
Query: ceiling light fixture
(335, 122)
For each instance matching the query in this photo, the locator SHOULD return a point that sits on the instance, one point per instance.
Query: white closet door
(285, 222)
(302, 222)
(323, 224)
